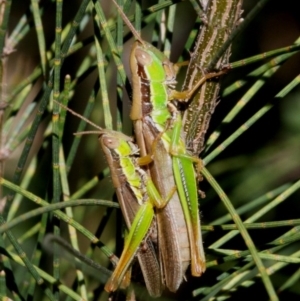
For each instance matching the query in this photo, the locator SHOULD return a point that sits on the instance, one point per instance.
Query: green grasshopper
(158, 132)
(137, 197)
(129, 179)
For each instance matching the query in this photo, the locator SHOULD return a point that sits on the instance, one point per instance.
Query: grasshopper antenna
(80, 116)
(129, 25)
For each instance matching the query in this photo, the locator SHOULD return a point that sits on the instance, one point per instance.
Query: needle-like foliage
(60, 224)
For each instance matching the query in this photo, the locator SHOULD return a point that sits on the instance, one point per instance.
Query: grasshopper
(137, 197)
(157, 127)
(122, 158)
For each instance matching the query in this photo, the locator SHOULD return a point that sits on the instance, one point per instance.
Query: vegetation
(77, 53)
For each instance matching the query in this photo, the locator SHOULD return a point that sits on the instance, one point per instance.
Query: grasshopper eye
(142, 57)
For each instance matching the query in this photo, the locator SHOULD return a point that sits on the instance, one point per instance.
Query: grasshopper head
(117, 142)
(156, 66)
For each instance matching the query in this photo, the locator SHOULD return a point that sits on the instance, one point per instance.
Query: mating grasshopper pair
(167, 189)
(174, 194)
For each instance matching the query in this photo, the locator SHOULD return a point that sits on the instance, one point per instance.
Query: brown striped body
(127, 199)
